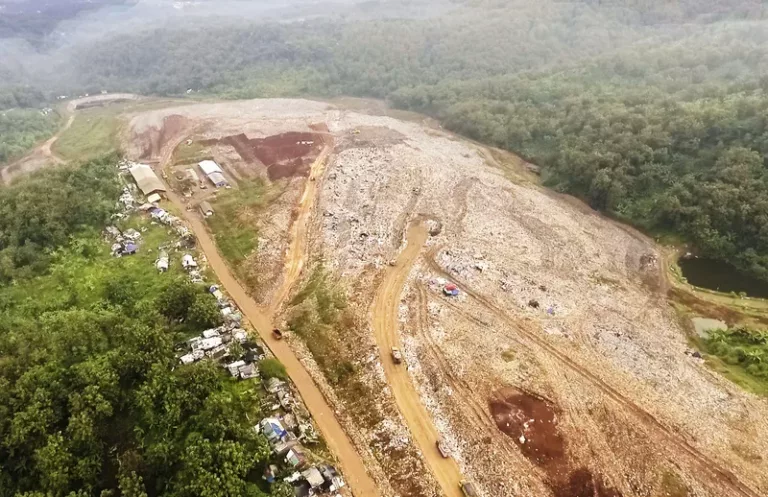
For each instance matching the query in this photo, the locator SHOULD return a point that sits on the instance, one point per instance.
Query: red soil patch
(581, 483)
(285, 147)
(531, 422)
(284, 155)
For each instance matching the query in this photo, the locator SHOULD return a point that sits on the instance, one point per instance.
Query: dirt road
(350, 462)
(294, 259)
(385, 324)
(43, 155)
(37, 158)
(706, 464)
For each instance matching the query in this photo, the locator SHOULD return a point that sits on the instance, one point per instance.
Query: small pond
(721, 276)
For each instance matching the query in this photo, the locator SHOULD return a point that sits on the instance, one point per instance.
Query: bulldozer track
(707, 464)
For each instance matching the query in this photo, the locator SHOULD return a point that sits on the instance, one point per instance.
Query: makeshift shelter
(130, 248)
(234, 368)
(313, 477)
(296, 458)
(248, 371)
(146, 179)
(192, 175)
(272, 429)
(188, 262)
(162, 262)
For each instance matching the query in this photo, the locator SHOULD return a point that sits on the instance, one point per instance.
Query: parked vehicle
(277, 334)
(443, 449)
(468, 489)
(397, 356)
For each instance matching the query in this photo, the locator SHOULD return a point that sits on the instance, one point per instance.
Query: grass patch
(190, 154)
(321, 319)
(93, 133)
(234, 224)
(22, 129)
(508, 355)
(80, 272)
(741, 355)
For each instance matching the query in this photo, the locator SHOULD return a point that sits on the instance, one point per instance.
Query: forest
(653, 115)
(92, 401)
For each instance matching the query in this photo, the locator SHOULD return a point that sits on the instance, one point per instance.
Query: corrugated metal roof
(146, 178)
(217, 179)
(208, 167)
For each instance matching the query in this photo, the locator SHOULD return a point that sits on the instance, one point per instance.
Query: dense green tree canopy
(93, 401)
(659, 124)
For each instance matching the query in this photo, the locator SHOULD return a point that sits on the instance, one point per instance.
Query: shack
(146, 179)
(214, 172)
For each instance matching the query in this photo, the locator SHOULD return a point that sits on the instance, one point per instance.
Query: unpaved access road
(385, 325)
(294, 259)
(706, 464)
(350, 462)
(37, 158)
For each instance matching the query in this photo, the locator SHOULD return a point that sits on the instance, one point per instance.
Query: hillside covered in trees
(92, 399)
(650, 111)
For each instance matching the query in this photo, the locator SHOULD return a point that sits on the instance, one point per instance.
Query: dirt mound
(284, 147)
(532, 423)
(153, 139)
(298, 167)
(284, 155)
(582, 483)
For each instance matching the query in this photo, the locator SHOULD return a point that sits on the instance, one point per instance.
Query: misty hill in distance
(32, 19)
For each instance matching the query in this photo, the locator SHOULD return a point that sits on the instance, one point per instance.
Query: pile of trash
(124, 243)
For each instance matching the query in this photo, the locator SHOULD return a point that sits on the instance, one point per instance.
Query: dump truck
(468, 489)
(277, 334)
(397, 356)
(443, 449)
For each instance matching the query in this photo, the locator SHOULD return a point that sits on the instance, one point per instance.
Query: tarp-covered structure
(214, 172)
(146, 178)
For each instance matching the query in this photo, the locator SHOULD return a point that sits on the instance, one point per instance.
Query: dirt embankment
(283, 155)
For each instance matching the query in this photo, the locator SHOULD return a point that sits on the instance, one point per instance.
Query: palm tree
(753, 356)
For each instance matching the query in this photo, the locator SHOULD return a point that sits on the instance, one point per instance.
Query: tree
(204, 313)
(131, 485)
(272, 368)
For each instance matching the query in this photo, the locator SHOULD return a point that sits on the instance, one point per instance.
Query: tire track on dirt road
(297, 248)
(41, 153)
(463, 396)
(350, 462)
(385, 325)
(708, 465)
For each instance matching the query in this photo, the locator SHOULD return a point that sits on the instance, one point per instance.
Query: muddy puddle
(532, 423)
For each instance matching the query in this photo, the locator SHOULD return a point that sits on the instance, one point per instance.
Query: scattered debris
(451, 290)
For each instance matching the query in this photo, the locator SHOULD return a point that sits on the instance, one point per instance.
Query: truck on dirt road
(397, 356)
(443, 449)
(468, 489)
(277, 334)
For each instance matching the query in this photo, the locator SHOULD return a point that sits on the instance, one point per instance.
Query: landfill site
(513, 341)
